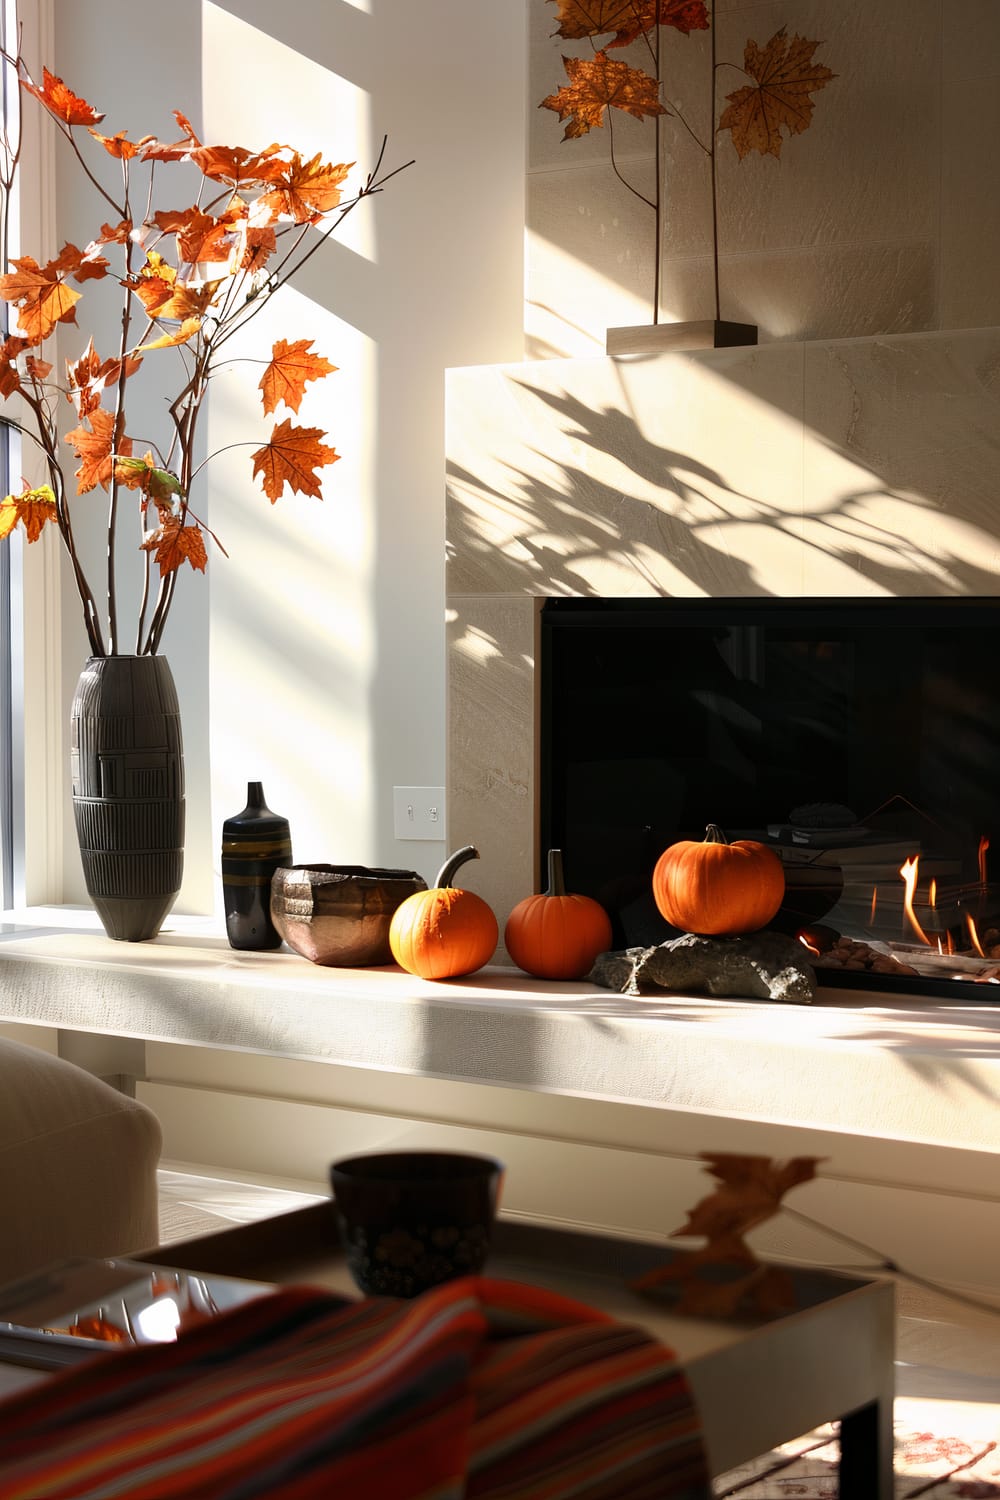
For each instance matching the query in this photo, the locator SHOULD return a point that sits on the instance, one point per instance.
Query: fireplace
(860, 740)
(856, 473)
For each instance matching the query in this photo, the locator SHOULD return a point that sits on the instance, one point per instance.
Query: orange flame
(984, 844)
(973, 934)
(806, 943)
(909, 870)
(871, 914)
(932, 894)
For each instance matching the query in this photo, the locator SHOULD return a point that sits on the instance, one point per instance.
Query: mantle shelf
(908, 1069)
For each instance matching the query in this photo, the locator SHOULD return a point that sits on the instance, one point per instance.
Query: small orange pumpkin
(717, 888)
(557, 935)
(444, 932)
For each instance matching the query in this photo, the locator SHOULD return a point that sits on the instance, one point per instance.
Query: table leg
(866, 1453)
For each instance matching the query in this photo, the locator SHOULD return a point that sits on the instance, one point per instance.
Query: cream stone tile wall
(880, 218)
(867, 467)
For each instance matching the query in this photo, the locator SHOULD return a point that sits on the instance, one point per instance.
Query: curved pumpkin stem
(557, 883)
(454, 862)
(714, 835)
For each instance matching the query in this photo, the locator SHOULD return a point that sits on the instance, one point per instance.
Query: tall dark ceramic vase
(128, 791)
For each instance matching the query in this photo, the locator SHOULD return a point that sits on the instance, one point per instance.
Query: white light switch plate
(418, 812)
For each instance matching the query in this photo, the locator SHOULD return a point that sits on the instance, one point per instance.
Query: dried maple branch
(198, 275)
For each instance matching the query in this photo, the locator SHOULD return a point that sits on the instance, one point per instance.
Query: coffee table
(757, 1381)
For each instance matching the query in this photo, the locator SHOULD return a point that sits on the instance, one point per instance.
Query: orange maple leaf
(112, 234)
(587, 18)
(89, 375)
(303, 191)
(751, 1191)
(111, 370)
(291, 457)
(259, 247)
(235, 164)
(682, 15)
(200, 236)
(714, 1280)
(86, 380)
(785, 77)
(33, 508)
(164, 294)
(10, 351)
(173, 544)
(61, 101)
(94, 448)
(41, 298)
(155, 150)
(285, 377)
(119, 146)
(596, 83)
(629, 19)
(83, 265)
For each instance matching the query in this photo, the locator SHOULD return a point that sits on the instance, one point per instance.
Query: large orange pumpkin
(557, 935)
(444, 932)
(718, 888)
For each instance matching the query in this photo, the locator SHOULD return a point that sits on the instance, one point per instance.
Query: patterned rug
(945, 1450)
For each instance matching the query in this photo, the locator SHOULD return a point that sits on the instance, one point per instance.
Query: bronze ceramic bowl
(339, 915)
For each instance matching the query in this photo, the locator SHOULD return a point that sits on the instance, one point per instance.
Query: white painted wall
(313, 659)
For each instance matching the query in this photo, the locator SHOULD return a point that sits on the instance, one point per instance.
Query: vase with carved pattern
(128, 791)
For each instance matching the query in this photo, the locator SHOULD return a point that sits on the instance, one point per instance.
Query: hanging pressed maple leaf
(190, 278)
(628, 19)
(597, 84)
(785, 77)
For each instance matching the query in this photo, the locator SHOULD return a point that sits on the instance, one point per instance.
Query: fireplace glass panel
(851, 737)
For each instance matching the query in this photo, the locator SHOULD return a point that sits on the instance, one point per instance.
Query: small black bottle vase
(255, 843)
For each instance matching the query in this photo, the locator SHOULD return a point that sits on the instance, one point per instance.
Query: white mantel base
(598, 1103)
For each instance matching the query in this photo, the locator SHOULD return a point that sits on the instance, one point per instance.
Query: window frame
(34, 793)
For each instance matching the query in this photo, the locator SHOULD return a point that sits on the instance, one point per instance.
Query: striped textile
(480, 1388)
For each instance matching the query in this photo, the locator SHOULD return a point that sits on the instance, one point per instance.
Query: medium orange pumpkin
(444, 932)
(717, 888)
(557, 935)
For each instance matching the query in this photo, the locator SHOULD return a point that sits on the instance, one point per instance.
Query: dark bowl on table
(339, 915)
(409, 1220)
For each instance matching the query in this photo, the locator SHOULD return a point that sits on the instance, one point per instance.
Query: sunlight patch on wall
(477, 646)
(570, 306)
(271, 92)
(293, 649)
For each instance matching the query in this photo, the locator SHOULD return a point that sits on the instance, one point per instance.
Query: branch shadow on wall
(595, 521)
